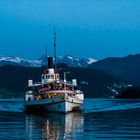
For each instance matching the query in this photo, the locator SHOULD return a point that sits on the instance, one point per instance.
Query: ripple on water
(103, 119)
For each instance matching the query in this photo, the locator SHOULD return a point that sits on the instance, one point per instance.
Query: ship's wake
(100, 105)
(11, 106)
(90, 105)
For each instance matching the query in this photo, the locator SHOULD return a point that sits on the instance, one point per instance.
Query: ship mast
(55, 66)
(46, 56)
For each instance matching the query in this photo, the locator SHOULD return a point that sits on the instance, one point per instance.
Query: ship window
(57, 76)
(43, 76)
(52, 76)
(48, 76)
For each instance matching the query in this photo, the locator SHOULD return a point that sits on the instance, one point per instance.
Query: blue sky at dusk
(85, 28)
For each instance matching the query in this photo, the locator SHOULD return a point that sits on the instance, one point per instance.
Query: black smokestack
(50, 62)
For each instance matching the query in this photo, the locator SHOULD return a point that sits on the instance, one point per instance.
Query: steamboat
(53, 94)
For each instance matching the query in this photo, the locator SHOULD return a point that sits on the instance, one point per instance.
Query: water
(103, 119)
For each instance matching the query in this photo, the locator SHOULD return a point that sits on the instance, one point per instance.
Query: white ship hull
(58, 104)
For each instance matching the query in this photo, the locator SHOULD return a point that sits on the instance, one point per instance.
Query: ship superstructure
(53, 93)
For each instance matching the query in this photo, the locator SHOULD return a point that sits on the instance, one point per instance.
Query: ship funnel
(50, 62)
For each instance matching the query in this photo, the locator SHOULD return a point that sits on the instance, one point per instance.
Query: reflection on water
(54, 126)
(103, 119)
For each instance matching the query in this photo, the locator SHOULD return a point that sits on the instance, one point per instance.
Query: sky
(84, 28)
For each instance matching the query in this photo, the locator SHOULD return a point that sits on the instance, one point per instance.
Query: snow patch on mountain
(69, 60)
(19, 61)
(74, 61)
(91, 60)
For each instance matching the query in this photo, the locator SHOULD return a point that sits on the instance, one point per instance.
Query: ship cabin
(49, 76)
(51, 85)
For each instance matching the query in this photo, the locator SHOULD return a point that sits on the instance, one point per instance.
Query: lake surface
(102, 119)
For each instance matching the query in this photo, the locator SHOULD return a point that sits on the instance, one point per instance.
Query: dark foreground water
(103, 119)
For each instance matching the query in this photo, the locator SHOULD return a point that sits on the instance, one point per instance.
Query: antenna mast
(55, 66)
(46, 55)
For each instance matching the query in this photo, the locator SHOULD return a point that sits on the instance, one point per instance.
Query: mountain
(74, 61)
(126, 68)
(69, 60)
(12, 60)
(94, 83)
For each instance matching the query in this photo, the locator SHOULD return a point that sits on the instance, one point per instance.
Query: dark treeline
(14, 79)
(130, 93)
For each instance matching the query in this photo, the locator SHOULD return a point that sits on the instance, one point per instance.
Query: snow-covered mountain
(12, 60)
(69, 60)
(74, 61)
